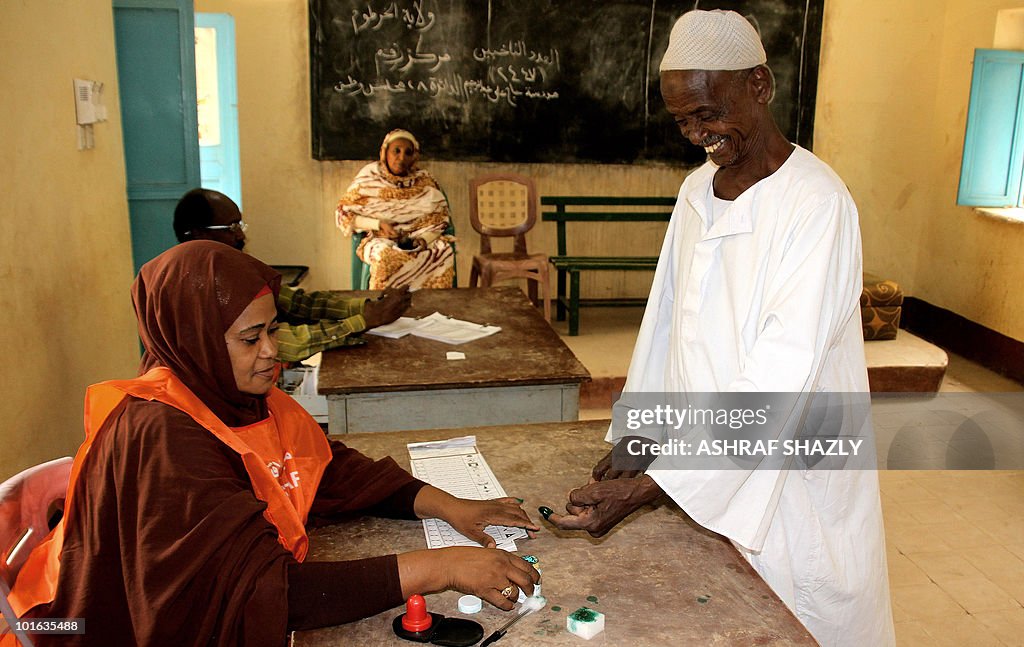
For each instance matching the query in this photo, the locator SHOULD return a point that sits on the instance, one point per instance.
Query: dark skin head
(400, 156)
(225, 212)
(201, 208)
(726, 113)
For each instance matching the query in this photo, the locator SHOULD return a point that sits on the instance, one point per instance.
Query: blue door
(217, 96)
(156, 75)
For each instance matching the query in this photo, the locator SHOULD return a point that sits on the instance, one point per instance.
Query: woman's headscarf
(185, 300)
(397, 133)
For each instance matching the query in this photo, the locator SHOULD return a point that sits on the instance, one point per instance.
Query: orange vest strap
(298, 433)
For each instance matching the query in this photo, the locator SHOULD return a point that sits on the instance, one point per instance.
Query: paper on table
(457, 467)
(449, 447)
(398, 328)
(437, 327)
(452, 331)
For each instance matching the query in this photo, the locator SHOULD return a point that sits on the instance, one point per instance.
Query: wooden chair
(504, 205)
(26, 500)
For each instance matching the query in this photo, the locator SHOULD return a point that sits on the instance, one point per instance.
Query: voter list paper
(457, 467)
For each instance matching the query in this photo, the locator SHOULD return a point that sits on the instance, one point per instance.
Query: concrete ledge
(906, 364)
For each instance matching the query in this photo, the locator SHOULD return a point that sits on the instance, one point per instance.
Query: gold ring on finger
(507, 591)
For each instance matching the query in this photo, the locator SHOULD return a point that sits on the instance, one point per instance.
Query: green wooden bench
(567, 209)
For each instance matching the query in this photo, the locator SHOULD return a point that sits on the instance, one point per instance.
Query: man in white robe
(757, 290)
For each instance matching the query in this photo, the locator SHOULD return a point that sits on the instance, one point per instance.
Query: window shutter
(990, 175)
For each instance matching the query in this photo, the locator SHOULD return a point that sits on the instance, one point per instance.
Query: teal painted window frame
(993, 160)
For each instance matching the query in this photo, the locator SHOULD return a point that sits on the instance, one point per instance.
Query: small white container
(585, 622)
(470, 604)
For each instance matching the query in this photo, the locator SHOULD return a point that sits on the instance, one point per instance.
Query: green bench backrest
(563, 212)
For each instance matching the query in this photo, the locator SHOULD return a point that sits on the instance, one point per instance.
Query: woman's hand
(471, 517)
(483, 572)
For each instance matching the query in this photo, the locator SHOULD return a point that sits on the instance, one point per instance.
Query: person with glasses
(314, 321)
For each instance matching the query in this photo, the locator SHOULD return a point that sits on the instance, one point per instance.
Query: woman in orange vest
(185, 517)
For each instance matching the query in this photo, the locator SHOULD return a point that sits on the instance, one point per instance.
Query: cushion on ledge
(880, 304)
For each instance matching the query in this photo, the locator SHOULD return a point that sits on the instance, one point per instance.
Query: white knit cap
(713, 40)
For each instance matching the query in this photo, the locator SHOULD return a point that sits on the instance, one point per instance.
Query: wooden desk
(523, 374)
(659, 578)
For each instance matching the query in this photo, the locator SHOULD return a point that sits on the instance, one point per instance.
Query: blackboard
(528, 80)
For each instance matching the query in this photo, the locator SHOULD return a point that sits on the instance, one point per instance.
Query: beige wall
(1009, 29)
(65, 259)
(892, 104)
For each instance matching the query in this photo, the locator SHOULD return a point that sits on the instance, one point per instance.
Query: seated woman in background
(405, 215)
(185, 518)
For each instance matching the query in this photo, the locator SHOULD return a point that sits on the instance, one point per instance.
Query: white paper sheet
(436, 326)
(398, 328)
(457, 467)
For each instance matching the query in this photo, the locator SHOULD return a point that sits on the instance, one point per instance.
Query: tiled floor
(955, 538)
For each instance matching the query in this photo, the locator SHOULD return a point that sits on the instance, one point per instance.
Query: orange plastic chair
(504, 205)
(27, 501)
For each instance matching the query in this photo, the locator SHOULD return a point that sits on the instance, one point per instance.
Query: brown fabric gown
(166, 543)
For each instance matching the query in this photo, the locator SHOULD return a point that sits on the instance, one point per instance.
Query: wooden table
(659, 578)
(523, 374)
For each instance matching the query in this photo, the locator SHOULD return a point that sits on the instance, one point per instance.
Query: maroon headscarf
(185, 300)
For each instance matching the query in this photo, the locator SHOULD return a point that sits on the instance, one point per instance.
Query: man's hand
(620, 458)
(598, 507)
(388, 307)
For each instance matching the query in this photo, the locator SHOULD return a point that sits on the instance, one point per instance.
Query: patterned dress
(416, 208)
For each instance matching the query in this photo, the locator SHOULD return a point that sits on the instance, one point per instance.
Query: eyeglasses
(234, 228)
